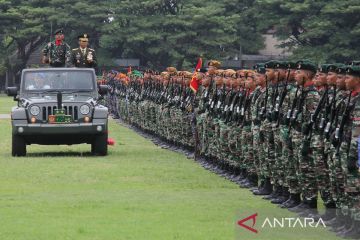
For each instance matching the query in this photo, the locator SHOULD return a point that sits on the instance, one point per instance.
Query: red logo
(253, 217)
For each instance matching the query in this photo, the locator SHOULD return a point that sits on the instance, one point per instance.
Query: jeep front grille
(69, 110)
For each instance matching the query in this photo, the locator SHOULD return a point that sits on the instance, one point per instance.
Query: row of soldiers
(289, 130)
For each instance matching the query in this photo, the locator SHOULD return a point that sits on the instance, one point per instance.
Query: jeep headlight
(34, 110)
(84, 109)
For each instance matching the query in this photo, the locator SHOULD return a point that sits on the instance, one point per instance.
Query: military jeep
(59, 106)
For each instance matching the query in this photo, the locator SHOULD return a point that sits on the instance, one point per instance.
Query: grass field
(138, 191)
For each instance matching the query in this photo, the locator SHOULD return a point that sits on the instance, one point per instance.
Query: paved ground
(4, 116)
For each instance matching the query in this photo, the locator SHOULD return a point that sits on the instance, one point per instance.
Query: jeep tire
(18, 146)
(99, 146)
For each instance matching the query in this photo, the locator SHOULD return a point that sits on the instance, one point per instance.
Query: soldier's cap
(202, 70)
(333, 67)
(229, 73)
(355, 63)
(260, 68)
(59, 31)
(84, 37)
(291, 65)
(342, 69)
(271, 64)
(171, 70)
(306, 65)
(187, 74)
(281, 65)
(323, 68)
(353, 70)
(214, 63)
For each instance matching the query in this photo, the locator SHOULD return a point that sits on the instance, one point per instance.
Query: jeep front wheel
(18, 146)
(99, 146)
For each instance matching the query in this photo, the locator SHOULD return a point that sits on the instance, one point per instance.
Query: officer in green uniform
(56, 53)
(83, 56)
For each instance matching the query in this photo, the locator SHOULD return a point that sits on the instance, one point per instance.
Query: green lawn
(138, 191)
(6, 103)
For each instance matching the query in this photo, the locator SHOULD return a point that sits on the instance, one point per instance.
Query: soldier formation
(285, 130)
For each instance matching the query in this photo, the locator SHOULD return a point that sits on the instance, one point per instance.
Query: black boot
(352, 232)
(330, 212)
(293, 201)
(276, 193)
(348, 227)
(283, 197)
(266, 190)
(252, 181)
(261, 186)
(300, 207)
(310, 208)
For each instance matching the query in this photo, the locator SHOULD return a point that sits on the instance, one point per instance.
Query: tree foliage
(177, 32)
(319, 30)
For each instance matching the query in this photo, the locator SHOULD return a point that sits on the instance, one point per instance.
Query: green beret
(323, 68)
(306, 65)
(353, 70)
(271, 64)
(341, 70)
(334, 67)
(260, 68)
(291, 65)
(60, 30)
(281, 65)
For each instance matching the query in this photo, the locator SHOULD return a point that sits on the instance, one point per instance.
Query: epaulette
(75, 49)
(90, 49)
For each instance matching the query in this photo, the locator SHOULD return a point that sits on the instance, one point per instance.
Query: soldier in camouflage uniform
(287, 155)
(347, 137)
(265, 185)
(57, 53)
(306, 106)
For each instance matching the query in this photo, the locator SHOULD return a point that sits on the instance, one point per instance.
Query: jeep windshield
(58, 80)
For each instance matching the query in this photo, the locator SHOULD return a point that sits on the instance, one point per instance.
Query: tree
(324, 31)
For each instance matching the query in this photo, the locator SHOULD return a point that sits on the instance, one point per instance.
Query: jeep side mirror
(103, 89)
(12, 91)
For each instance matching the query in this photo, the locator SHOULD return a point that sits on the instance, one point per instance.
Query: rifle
(234, 96)
(274, 96)
(247, 102)
(263, 108)
(236, 112)
(210, 92)
(282, 98)
(327, 129)
(339, 131)
(220, 101)
(308, 129)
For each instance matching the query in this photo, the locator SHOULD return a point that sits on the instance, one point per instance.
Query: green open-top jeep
(59, 106)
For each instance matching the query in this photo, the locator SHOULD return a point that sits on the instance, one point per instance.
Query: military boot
(352, 232)
(306, 207)
(293, 201)
(266, 189)
(252, 181)
(330, 212)
(276, 193)
(261, 186)
(346, 228)
(283, 197)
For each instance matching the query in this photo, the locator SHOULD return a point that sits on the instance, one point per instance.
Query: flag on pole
(194, 83)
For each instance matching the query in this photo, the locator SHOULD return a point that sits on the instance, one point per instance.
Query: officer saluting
(56, 53)
(83, 56)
